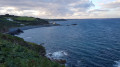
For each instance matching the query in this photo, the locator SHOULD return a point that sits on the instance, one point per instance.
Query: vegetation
(7, 21)
(25, 19)
(5, 24)
(15, 52)
(37, 48)
(30, 20)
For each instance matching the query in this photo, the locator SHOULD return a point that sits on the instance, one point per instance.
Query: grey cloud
(98, 10)
(114, 4)
(50, 7)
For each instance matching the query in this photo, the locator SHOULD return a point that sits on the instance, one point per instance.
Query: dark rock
(61, 61)
(74, 24)
(57, 24)
(18, 31)
(50, 54)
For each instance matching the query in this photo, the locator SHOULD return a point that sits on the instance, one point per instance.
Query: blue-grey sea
(90, 43)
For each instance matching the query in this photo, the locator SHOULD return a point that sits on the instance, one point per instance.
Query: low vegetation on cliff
(15, 52)
(7, 21)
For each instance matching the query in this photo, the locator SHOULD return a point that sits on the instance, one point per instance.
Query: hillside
(7, 21)
(15, 52)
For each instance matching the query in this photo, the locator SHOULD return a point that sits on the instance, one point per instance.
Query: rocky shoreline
(23, 51)
(18, 30)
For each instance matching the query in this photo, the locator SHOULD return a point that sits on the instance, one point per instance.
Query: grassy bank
(15, 52)
(7, 21)
(5, 24)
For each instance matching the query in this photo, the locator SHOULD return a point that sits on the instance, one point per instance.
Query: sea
(81, 42)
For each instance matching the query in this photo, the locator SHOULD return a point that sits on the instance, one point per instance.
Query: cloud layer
(56, 8)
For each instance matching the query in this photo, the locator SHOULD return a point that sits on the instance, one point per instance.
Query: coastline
(20, 51)
(14, 30)
(31, 26)
(29, 45)
(17, 50)
(49, 56)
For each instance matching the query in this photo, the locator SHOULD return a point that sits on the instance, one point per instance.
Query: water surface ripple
(90, 43)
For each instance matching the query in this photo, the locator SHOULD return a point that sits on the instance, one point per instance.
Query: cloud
(45, 8)
(106, 9)
(114, 4)
(61, 8)
(98, 10)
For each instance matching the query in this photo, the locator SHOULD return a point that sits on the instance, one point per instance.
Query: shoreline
(14, 30)
(49, 56)
(31, 27)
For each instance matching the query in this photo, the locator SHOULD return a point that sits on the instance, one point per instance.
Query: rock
(50, 54)
(56, 24)
(61, 61)
(67, 25)
(74, 24)
(18, 31)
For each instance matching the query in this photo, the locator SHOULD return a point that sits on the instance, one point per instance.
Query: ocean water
(90, 43)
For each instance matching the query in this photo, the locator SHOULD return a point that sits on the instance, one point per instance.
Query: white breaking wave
(57, 55)
(117, 64)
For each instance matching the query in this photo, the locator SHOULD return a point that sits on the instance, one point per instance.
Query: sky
(62, 9)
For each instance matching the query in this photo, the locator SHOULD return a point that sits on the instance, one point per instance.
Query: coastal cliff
(8, 21)
(15, 52)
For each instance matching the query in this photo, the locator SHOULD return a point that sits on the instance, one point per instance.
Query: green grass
(5, 24)
(14, 39)
(25, 19)
(30, 20)
(13, 54)
(19, 21)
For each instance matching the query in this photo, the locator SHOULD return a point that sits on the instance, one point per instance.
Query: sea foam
(117, 64)
(57, 55)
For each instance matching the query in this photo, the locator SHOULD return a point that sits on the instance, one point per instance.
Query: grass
(5, 24)
(14, 39)
(30, 20)
(13, 54)
(19, 21)
(25, 19)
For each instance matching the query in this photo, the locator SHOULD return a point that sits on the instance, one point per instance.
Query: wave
(117, 64)
(57, 55)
